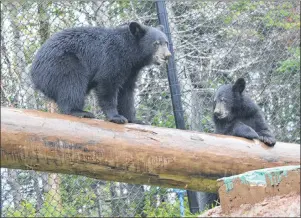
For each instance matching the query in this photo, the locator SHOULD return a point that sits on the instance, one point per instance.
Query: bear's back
(77, 40)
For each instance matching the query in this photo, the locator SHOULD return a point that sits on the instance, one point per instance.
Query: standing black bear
(74, 61)
(236, 114)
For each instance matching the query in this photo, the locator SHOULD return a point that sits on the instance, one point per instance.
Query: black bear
(236, 114)
(74, 61)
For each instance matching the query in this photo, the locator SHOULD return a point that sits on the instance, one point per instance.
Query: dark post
(171, 69)
(193, 197)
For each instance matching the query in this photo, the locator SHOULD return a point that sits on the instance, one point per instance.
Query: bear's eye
(156, 43)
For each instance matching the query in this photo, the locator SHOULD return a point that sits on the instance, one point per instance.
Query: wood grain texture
(131, 153)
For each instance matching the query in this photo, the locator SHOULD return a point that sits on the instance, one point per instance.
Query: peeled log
(131, 153)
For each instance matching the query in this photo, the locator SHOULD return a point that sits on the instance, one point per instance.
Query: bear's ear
(161, 28)
(137, 30)
(239, 85)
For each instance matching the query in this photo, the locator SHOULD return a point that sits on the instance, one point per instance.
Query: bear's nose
(217, 113)
(167, 55)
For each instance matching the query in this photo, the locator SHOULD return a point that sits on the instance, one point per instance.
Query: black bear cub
(74, 61)
(236, 114)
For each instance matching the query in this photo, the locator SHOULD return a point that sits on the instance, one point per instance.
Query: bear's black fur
(236, 114)
(76, 60)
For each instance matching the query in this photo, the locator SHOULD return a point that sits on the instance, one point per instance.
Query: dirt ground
(278, 206)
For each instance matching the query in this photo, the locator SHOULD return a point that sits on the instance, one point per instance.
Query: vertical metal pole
(171, 69)
(175, 91)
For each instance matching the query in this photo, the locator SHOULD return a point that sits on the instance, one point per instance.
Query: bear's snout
(167, 55)
(217, 113)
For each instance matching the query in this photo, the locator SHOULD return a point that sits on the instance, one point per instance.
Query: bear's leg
(245, 131)
(263, 130)
(126, 103)
(107, 100)
(71, 96)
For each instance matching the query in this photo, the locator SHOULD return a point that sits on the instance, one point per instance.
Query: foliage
(26, 209)
(157, 206)
(291, 65)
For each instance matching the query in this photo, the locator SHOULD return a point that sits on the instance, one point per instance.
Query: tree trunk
(136, 154)
(114, 200)
(12, 180)
(36, 187)
(54, 192)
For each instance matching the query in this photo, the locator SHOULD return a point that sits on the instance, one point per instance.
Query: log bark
(131, 153)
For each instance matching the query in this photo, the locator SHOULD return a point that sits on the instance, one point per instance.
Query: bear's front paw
(119, 119)
(139, 122)
(268, 140)
(83, 114)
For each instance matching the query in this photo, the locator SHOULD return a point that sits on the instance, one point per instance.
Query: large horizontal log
(131, 153)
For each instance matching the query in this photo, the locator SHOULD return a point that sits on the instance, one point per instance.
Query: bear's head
(228, 100)
(152, 41)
